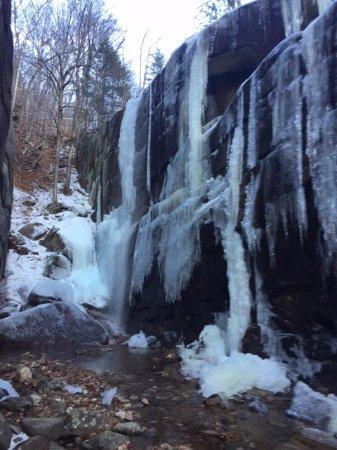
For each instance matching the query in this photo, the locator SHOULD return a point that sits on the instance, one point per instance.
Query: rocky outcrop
(6, 144)
(234, 168)
(56, 325)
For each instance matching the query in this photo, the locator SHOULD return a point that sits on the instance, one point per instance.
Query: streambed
(173, 412)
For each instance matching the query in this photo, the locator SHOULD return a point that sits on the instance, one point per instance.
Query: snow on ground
(25, 271)
(218, 373)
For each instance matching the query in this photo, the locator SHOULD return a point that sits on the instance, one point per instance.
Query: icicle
(170, 230)
(225, 197)
(323, 5)
(149, 137)
(321, 120)
(252, 122)
(196, 106)
(292, 16)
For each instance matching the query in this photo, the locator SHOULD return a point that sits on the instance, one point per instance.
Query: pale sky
(169, 22)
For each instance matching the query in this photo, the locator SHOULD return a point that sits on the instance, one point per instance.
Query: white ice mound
(218, 373)
(314, 407)
(138, 341)
(78, 237)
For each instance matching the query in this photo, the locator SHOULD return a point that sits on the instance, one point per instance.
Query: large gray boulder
(56, 325)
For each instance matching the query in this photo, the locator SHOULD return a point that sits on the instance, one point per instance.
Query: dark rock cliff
(268, 135)
(6, 144)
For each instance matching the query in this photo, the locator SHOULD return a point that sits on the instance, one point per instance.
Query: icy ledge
(206, 360)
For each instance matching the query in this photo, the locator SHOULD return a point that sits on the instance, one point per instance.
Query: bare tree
(70, 75)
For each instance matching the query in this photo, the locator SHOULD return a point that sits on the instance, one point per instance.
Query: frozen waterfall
(115, 231)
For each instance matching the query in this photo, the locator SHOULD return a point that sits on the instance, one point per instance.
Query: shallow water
(177, 414)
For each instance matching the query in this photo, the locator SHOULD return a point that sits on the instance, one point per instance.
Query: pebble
(23, 374)
(145, 401)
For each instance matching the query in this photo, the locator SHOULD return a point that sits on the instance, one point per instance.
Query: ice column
(115, 231)
(196, 107)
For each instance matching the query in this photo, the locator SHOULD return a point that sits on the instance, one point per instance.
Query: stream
(176, 414)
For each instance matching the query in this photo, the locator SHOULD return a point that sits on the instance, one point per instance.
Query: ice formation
(170, 229)
(10, 392)
(73, 389)
(292, 16)
(108, 395)
(84, 284)
(138, 341)
(218, 373)
(323, 5)
(115, 231)
(314, 407)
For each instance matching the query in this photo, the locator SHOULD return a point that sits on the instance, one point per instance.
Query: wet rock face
(6, 145)
(279, 96)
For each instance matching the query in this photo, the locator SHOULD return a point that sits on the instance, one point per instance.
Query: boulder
(53, 241)
(17, 404)
(108, 440)
(55, 208)
(129, 428)
(57, 267)
(33, 231)
(55, 446)
(49, 291)
(56, 325)
(83, 422)
(5, 434)
(51, 428)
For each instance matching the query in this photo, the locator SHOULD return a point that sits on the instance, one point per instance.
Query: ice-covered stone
(314, 407)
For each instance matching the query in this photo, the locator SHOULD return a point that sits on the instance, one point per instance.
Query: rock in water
(58, 325)
(5, 434)
(106, 441)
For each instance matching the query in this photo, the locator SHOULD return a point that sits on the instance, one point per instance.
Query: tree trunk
(68, 173)
(58, 146)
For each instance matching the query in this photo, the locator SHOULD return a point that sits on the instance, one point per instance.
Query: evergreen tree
(214, 9)
(157, 63)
